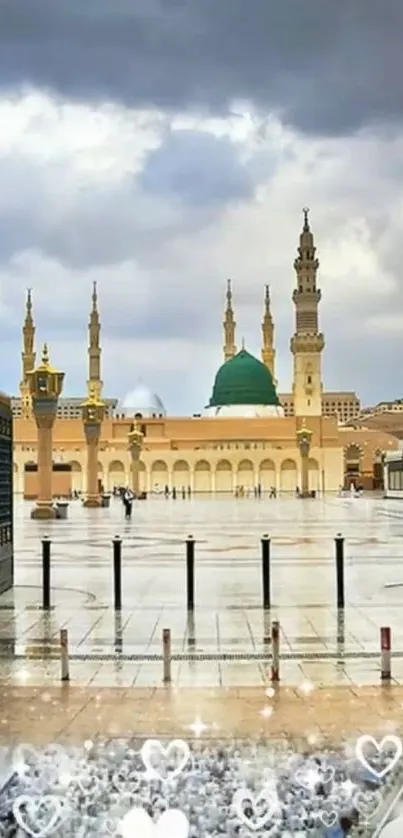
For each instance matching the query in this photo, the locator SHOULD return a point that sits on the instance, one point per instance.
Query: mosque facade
(246, 438)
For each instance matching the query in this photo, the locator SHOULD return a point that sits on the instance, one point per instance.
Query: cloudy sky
(161, 146)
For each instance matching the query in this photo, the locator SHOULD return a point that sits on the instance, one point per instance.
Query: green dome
(243, 380)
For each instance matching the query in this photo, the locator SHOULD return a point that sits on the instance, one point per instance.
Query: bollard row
(190, 572)
(385, 638)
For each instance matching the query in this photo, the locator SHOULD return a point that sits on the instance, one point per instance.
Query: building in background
(247, 436)
(344, 405)
(68, 408)
(6, 495)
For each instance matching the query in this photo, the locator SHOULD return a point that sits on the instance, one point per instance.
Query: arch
(288, 476)
(101, 484)
(159, 475)
(245, 474)
(267, 474)
(224, 481)
(352, 464)
(30, 480)
(180, 475)
(313, 475)
(202, 476)
(353, 452)
(116, 474)
(76, 476)
(15, 468)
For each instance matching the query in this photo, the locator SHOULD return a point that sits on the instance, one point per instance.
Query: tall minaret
(268, 350)
(28, 357)
(307, 342)
(94, 350)
(229, 327)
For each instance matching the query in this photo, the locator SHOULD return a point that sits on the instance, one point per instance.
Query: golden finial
(94, 296)
(229, 293)
(45, 355)
(267, 298)
(306, 220)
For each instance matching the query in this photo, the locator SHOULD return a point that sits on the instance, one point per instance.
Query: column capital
(92, 431)
(44, 420)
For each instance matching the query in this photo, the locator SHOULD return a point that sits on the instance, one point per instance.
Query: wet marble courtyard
(227, 642)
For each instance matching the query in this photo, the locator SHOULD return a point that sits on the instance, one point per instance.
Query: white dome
(245, 411)
(142, 400)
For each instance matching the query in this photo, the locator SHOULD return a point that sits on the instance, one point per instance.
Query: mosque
(246, 437)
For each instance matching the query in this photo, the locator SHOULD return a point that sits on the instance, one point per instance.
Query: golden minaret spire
(229, 326)
(268, 350)
(28, 357)
(94, 349)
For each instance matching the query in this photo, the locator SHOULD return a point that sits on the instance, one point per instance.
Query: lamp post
(45, 385)
(93, 413)
(304, 437)
(135, 447)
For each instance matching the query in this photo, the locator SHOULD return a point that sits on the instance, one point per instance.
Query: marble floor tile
(221, 648)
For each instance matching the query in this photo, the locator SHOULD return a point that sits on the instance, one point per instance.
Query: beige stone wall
(207, 454)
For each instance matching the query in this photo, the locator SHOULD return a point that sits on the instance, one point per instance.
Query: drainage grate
(208, 656)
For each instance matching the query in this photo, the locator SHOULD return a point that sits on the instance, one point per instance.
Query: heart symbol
(24, 757)
(326, 773)
(164, 763)
(311, 774)
(125, 780)
(367, 803)
(28, 810)
(137, 824)
(328, 817)
(364, 741)
(262, 808)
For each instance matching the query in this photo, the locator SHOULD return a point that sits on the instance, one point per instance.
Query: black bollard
(46, 573)
(117, 572)
(190, 572)
(339, 548)
(266, 570)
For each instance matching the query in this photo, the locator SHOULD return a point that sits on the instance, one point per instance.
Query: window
(309, 379)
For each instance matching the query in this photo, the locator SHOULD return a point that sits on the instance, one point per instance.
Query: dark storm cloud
(326, 67)
(197, 168)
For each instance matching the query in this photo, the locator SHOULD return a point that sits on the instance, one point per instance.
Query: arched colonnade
(202, 475)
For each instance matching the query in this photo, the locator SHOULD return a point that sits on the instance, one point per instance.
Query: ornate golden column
(304, 436)
(93, 412)
(135, 448)
(45, 384)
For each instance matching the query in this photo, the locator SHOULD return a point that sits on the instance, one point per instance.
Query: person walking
(128, 503)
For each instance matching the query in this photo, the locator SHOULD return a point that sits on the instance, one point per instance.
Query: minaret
(229, 327)
(268, 350)
(307, 342)
(28, 358)
(94, 350)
